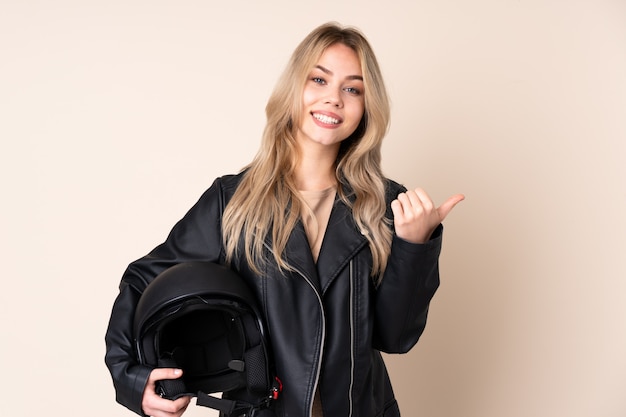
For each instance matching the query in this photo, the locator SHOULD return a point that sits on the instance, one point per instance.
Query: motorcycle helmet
(202, 318)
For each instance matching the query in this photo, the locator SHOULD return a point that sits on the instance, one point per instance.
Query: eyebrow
(329, 72)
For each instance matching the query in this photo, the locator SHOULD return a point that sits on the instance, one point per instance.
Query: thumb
(448, 205)
(159, 374)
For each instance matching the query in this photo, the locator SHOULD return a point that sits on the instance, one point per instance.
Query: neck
(316, 169)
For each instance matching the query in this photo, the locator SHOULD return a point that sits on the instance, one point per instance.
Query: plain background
(116, 115)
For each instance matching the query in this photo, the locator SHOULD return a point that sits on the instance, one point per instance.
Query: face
(333, 98)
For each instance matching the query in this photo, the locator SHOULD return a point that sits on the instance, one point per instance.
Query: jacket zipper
(352, 354)
(321, 349)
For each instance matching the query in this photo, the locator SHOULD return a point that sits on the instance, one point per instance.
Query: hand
(415, 215)
(155, 406)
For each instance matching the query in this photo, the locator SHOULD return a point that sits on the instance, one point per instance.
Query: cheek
(356, 113)
(308, 97)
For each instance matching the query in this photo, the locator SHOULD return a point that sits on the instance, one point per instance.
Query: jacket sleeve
(129, 378)
(197, 236)
(403, 295)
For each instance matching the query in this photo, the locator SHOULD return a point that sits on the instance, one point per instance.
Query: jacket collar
(342, 241)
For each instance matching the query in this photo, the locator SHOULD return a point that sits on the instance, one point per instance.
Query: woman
(343, 261)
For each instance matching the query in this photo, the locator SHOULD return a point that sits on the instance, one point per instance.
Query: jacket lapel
(342, 241)
(298, 255)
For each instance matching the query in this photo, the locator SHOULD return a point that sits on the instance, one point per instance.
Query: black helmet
(202, 318)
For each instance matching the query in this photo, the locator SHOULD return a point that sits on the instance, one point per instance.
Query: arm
(412, 274)
(196, 237)
(404, 293)
(135, 384)
(129, 378)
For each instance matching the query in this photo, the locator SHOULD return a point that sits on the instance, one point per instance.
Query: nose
(334, 98)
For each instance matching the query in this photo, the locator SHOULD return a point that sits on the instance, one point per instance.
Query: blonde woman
(343, 261)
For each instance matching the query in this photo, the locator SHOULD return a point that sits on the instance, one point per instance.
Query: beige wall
(116, 115)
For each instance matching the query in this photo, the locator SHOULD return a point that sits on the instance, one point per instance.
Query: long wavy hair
(267, 202)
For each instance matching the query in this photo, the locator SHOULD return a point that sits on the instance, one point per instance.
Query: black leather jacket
(327, 322)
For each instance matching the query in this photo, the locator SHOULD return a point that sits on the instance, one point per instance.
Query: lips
(326, 119)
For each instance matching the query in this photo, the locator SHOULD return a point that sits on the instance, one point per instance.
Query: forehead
(340, 59)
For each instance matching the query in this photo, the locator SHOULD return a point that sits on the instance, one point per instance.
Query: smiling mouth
(326, 119)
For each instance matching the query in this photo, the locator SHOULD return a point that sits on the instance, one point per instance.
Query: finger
(152, 403)
(158, 406)
(405, 201)
(411, 202)
(449, 204)
(424, 199)
(175, 406)
(408, 202)
(159, 374)
(397, 209)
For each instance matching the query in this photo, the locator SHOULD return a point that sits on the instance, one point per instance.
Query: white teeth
(326, 119)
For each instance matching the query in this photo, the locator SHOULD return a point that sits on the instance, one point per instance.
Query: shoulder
(228, 183)
(218, 194)
(392, 189)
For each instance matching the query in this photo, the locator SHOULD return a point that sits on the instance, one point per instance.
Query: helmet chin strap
(173, 389)
(234, 408)
(228, 407)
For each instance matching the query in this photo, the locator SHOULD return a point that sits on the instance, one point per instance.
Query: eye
(318, 80)
(353, 90)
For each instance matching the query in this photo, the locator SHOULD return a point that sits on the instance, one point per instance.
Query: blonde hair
(267, 201)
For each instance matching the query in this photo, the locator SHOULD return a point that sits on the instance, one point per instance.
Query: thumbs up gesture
(416, 217)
